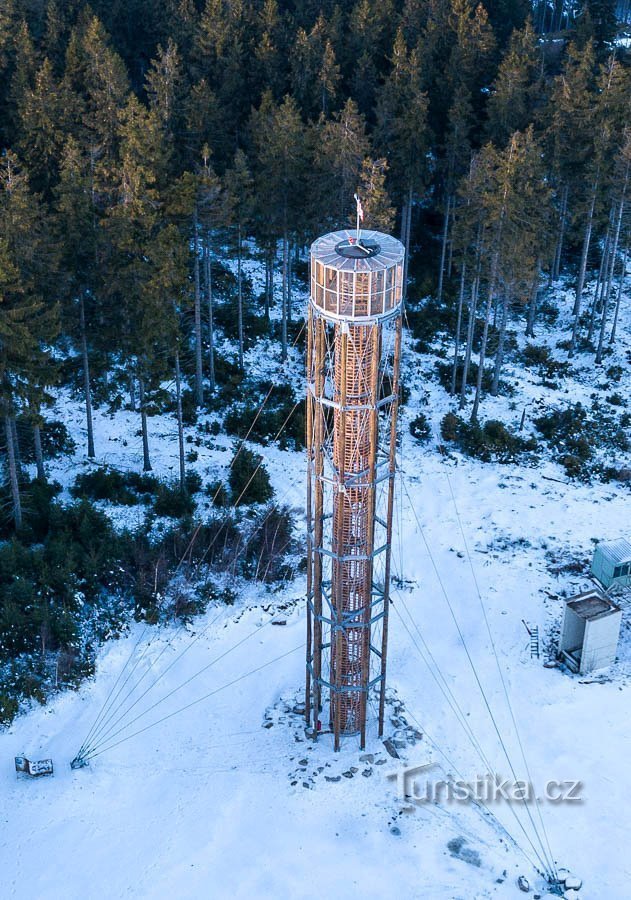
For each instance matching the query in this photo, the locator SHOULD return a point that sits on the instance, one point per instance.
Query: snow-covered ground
(230, 799)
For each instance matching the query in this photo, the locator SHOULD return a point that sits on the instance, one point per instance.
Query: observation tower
(353, 355)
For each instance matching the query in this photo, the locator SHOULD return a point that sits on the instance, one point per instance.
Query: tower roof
(341, 251)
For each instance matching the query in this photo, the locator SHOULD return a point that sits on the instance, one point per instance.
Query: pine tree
(131, 224)
(28, 316)
(378, 211)
(570, 120)
(341, 147)
(281, 158)
(598, 22)
(77, 229)
(507, 206)
(165, 87)
(220, 58)
(26, 64)
(104, 79)
(315, 72)
(205, 124)
(516, 86)
(42, 123)
(215, 211)
(165, 299)
(269, 49)
(402, 132)
(56, 33)
(239, 189)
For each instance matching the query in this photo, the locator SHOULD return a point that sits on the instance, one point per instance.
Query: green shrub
(8, 708)
(444, 370)
(576, 434)
(428, 321)
(104, 484)
(277, 418)
(266, 545)
(533, 355)
(492, 441)
(193, 482)
(549, 368)
(548, 312)
(47, 588)
(229, 380)
(56, 440)
(420, 428)
(217, 492)
(615, 373)
(573, 465)
(142, 483)
(249, 480)
(172, 502)
(189, 408)
(449, 427)
(36, 497)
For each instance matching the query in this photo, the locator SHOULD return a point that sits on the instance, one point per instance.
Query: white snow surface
(210, 803)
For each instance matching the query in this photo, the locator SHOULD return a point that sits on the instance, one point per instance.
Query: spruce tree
(77, 224)
(165, 87)
(402, 132)
(29, 317)
(239, 189)
(516, 86)
(341, 148)
(131, 224)
(281, 164)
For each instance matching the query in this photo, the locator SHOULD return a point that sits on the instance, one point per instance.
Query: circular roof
(342, 251)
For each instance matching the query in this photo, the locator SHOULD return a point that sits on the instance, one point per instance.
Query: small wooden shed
(590, 631)
(611, 564)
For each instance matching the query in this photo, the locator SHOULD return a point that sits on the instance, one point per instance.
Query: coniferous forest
(151, 151)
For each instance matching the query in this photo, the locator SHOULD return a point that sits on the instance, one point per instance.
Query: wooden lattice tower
(353, 352)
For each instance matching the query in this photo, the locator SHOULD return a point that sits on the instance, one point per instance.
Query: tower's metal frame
(353, 355)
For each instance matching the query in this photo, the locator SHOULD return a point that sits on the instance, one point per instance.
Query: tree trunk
(558, 253)
(284, 300)
(487, 318)
(473, 304)
(450, 241)
(623, 273)
(485, 336)
(443, 250)
(499, 356)
(406, 228)
(39, 456)
(289, 268)
(209, 297)
(532, 305)
(132, 392)
(180, 422)
(199, 372)
(16, 444)
(454, 372)
(239, 297)
(13, 473)
(146, 462)
(610, 276)
(586, 241)
(599, 293)
(269, 282)
(86, 379)
(576, 312)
